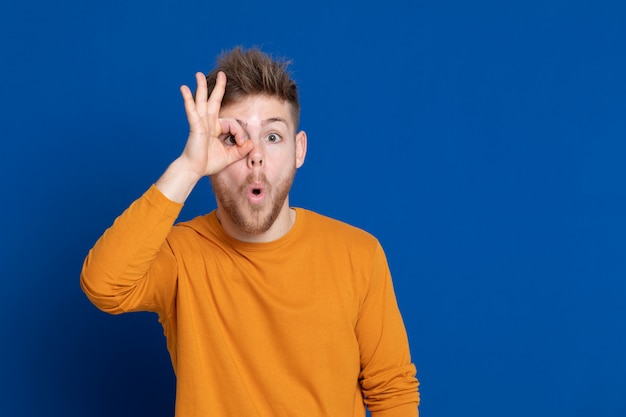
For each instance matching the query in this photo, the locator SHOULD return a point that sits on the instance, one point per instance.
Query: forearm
(124, 254)
(393, 392)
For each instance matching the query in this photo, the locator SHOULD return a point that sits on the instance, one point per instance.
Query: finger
(190, 104)
(215, 100)
(244, 146)
(201, 93)
(238, 152)
(232, 127)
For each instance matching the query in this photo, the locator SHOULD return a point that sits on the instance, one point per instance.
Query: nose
(255, 157)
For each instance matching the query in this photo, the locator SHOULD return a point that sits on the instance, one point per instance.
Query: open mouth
(256, 193)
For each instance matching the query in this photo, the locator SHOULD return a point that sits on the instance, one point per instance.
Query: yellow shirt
(307, 325)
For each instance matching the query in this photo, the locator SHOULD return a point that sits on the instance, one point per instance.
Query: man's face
(253, 192)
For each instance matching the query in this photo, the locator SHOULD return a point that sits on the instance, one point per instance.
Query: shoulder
(331, 228)
(200, 227)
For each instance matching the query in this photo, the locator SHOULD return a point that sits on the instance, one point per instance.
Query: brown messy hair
(251, 72)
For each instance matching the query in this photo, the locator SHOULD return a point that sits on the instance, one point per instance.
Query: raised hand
(206, 151)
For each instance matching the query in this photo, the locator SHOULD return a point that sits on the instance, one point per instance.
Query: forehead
(259, 110)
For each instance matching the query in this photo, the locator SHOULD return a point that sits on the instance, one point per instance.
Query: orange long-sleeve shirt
(307, 325)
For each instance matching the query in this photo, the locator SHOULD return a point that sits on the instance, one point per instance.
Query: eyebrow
(266, 121)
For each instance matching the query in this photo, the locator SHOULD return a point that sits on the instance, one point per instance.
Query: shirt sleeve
(387, 377)
(131, 267)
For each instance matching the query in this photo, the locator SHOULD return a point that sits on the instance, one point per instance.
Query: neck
(281, 226)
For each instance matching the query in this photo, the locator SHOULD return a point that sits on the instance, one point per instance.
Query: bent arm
(130, 267)
(115, 273)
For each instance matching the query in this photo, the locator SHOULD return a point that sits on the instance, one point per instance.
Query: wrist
(178, 181)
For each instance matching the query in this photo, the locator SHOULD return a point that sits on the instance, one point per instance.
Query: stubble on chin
(253, 219)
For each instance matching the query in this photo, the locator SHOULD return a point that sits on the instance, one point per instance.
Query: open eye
(273, 138)
(230, 140)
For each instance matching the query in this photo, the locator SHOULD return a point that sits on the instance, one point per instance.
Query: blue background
(482, 142)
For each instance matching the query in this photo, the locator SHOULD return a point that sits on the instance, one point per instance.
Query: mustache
(256, 178)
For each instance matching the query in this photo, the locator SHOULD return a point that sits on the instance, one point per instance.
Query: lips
(256, 192)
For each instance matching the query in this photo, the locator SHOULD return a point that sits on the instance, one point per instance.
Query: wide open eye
(273, 138)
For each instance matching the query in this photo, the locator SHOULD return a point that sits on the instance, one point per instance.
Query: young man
(268, 310)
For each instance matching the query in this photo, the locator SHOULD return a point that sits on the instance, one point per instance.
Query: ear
(300, 148)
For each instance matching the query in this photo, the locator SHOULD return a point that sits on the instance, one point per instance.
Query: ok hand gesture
(205, 151)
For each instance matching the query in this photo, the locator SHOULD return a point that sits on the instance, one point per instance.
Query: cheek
(226, 178)
(235, 170)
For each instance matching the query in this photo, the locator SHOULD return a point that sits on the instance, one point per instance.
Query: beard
(253, 219)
